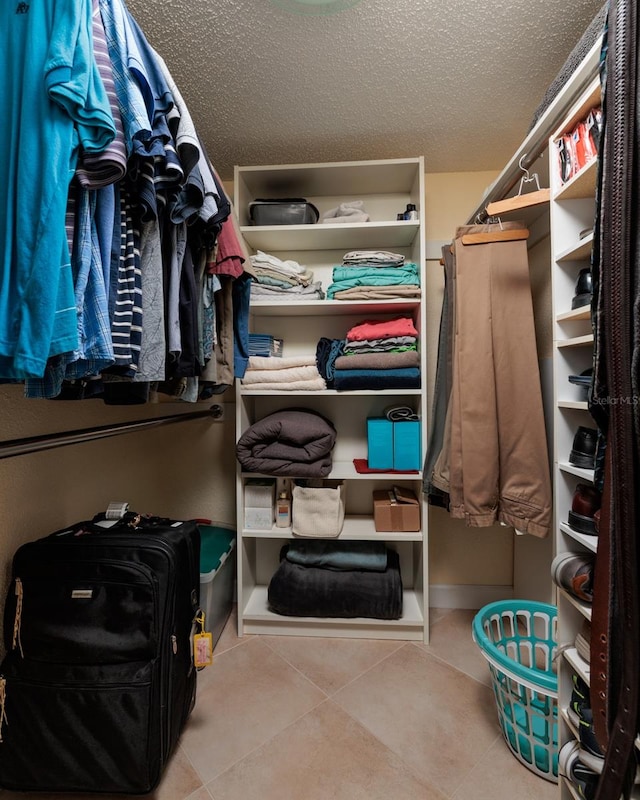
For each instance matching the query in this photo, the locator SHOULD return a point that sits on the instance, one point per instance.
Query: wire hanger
(527, 178)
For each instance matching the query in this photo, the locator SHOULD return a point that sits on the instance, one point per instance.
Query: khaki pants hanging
(494, 460)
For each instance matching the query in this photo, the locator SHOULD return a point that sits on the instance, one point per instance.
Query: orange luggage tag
(202, 644)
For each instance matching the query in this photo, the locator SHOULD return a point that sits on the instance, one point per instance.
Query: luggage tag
(202, 644)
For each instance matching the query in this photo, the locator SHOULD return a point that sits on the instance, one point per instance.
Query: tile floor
(287, 718)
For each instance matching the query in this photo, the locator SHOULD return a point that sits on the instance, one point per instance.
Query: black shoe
(573, 572)
(583, 452)
(584, 289)
(585, 503)
(583, 381)
(572, 767)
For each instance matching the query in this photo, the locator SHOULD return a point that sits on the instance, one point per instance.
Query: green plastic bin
(217, 575)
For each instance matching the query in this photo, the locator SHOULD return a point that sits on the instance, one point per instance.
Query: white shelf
(345, 470)
(578, 665)
(582, 185)
(301, 308)
(576, 314)
(356, 528)
(259, 619)
(326, 236)
(587, 540)
(576, 341)
(245, 391)
(577, 252)
(571, 789)
(585, 474)
(583, 608)
(579, 405)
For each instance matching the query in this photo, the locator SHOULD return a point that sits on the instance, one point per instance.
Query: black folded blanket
(293, 442)
(297, 591)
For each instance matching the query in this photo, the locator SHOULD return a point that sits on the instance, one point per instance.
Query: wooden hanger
(495, 236)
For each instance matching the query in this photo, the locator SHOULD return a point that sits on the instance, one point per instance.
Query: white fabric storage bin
(318, 511)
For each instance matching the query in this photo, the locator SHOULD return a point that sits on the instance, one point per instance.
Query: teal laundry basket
(518, 638)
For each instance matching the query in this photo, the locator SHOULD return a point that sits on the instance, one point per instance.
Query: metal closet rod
(32, 444)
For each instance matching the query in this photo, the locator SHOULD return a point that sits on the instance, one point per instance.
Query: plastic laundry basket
(519, 638)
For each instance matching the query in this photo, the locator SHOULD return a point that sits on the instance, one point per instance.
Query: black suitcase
(98, 679)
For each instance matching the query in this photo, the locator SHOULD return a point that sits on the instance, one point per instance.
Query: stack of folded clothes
(379, 355)
(274, 279)
(290, 374)
(374, 275)
(337, 579)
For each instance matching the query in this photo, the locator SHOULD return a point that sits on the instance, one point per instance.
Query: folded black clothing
(294, 442)
(339, 555)
(297, 591)
(354, 379)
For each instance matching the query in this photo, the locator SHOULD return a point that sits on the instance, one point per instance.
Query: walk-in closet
(319, 428)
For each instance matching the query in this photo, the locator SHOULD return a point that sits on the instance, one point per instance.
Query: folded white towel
(315, 385)
(262, 259)
(264, 362)
(352, 211)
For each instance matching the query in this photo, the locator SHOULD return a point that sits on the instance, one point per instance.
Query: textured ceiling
(457, 81)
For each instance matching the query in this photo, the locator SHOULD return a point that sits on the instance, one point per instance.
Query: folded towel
(279, 376)
(352, 211)
(339, 555)
(310, 385)
(264, 292)
(408, 358)
(284, 362)
(299, 591)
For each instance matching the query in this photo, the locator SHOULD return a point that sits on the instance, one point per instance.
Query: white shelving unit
(572, 212)
(385, 187)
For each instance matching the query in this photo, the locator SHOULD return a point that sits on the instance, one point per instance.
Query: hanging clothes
(54, 102)
(494, 461)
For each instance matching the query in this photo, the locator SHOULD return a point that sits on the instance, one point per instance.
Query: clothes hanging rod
(33, 444)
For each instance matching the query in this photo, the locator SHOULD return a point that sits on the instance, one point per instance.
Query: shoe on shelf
(584, 289)
(573, 572)
(583, 642)
(583, 381)
(584, 505)
(575, 770)
(583, 452)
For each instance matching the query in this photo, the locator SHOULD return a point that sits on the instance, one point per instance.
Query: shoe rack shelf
(572, 212)
(385, 186)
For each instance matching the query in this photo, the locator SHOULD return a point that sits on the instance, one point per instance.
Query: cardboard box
(396, 509)
(406, 445)
(379, 443)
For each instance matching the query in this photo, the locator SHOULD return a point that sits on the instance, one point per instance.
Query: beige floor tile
(436, 614)
(326, 754)
(438, 720)
(500, 776)
(201, 794)
(179, 781)
(228, 639)
(450, 639)
(331, 663)
(252, 695)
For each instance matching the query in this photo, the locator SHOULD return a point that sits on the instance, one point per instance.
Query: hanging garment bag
(98, 679)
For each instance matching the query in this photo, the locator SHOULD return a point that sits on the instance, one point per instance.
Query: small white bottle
(283, 511)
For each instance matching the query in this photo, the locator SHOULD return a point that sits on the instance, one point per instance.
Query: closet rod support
(33, 444)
